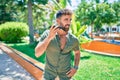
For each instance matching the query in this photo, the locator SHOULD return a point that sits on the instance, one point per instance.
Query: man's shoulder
(72, 36)
(46, 32)
(73, 39)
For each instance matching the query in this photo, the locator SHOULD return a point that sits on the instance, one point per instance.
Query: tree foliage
(13, 31)
(116, 7)
(97, 14)
(8, 10)
(11, 7)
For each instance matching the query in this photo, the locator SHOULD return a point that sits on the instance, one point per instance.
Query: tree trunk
(92, 31)
(30, 22)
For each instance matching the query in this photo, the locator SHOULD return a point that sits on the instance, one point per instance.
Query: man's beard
(64, 28)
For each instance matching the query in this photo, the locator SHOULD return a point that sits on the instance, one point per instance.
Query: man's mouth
(66, 28)
(63, 28)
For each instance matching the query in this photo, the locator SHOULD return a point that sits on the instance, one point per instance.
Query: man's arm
(77, 58)
(42, 46)
(76, 63)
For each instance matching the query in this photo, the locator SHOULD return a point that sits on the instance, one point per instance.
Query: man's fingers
(69, 75)
(68, 72)
(53, 27)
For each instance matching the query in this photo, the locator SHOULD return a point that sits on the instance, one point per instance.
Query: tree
(29, 4)
(9, 10)
(116, 7)
(30, 21)
(96, 14)
(108, 15)
(86, 14)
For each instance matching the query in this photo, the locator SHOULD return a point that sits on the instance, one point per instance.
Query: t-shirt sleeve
(76, 47)
(43, 36)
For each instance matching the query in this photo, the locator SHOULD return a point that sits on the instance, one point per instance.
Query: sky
(75, 3)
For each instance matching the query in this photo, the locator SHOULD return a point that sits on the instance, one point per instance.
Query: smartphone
(60, 27)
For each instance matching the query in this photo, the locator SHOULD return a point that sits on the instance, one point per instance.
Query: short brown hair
(63, 12)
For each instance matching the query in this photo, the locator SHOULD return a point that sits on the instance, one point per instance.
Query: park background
(23, 21)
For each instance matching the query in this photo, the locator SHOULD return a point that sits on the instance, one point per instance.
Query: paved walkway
(32, 66)
(11, 70)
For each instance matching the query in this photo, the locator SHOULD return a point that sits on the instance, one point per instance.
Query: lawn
(92, 66)
(28, 50)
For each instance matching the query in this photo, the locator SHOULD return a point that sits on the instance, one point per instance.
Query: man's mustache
(63, 28)
(67, 25)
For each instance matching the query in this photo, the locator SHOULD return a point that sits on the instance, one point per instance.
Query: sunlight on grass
(92, 66)
(98, 67)
(28, 50)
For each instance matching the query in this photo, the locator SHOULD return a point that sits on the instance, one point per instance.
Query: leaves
(74, 27)
(63, 3)
(98, 14)
(81, 30)
(13, 31)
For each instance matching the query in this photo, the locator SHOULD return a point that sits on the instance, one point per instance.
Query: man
(58, 44)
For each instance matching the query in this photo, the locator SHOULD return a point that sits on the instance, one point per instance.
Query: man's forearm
(41, 47)
(77, 58)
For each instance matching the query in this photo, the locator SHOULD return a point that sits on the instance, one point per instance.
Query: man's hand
(42, 46)
(71, 72)
(52, 33)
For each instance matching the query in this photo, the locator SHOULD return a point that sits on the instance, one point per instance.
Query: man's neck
(62, 35)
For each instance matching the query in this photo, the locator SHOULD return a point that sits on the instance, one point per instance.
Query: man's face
(65, 22)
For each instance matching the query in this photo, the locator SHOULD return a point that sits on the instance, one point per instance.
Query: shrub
(13, 31)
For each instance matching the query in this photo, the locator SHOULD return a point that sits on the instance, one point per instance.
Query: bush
(13, 31)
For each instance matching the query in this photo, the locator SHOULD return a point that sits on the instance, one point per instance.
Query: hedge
(13, 31)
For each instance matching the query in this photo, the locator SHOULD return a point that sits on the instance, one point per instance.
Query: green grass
(28, 50)
(98, 67)
(92, 66)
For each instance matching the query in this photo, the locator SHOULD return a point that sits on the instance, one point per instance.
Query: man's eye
(68, 19)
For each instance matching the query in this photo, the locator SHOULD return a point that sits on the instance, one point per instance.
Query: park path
(11, 70)
(26, 62)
